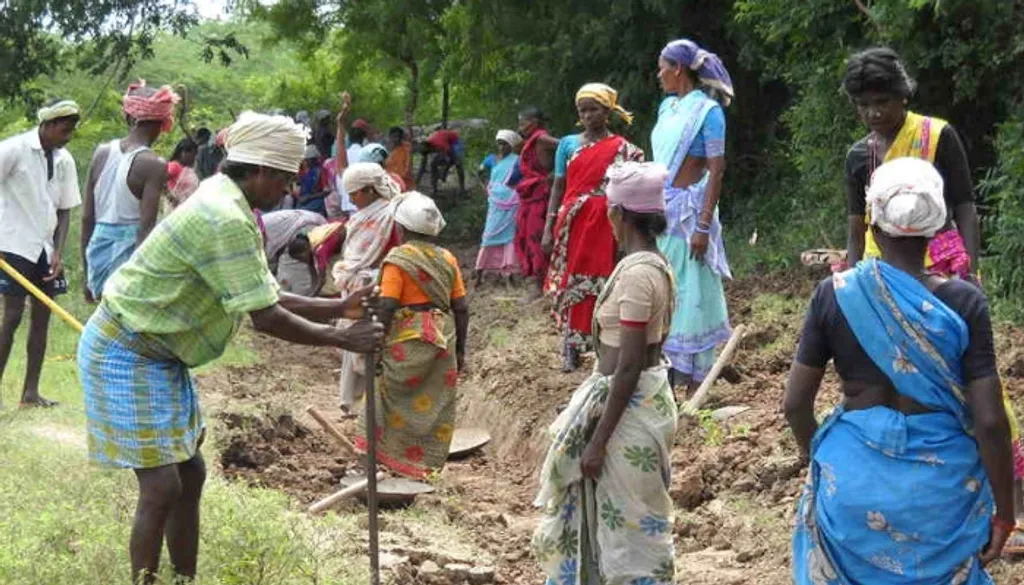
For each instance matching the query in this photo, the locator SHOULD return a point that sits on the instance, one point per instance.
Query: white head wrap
(365, 174)
(311, 152)
(267, 141)
(510, 138)
(905, 196)
(417, 212)
(60, 109)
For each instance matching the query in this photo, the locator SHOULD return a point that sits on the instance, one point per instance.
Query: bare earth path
(735, 481)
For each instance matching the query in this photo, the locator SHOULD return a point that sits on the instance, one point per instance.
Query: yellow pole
(68, 318)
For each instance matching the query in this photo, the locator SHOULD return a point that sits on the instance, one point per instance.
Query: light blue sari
(109, 247)
(892, 498)
(701, 319)
(502, 203)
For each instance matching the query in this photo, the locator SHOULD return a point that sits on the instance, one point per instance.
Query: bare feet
(36, 401)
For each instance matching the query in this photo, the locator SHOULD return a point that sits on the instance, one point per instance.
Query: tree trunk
(445, 105)
(414, 95)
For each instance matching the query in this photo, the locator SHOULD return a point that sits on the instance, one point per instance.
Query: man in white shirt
(38, 188)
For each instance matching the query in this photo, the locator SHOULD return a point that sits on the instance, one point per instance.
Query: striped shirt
(196, 275)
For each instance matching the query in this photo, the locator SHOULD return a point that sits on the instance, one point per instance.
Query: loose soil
(735, 482)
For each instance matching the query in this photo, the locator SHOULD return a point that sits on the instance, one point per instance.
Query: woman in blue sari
(689, 139)
(497, 245)
(911, 475)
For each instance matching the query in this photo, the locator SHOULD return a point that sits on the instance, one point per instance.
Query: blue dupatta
(893, 498)
(924, 339)
(680, 119)
(502, 203)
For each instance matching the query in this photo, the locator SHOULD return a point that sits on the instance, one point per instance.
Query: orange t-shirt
(399, 162)
(398, 284)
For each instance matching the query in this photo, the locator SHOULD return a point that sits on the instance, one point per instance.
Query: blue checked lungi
(109, 247)
(141, 406)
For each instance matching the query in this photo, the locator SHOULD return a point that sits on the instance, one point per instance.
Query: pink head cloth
(159, 106)
(638, 187)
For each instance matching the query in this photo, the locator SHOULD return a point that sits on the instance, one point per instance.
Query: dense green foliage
(789, 126)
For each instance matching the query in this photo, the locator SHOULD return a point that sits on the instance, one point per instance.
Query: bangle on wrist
(703, 229)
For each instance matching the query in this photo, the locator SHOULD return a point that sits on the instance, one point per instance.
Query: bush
(1003, 188)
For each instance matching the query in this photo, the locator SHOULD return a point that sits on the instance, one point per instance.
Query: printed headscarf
(709, 68)
(510, 138)
(418, 213)
(638, 187)
(61, 109)
(267, 141)
(366, 174)
(606, 96)
(906, 199)
(157, 107)
(373, 152)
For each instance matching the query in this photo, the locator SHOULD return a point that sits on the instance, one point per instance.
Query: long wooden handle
(693, 405)
(352, 490)
(41, 296)
(332, 430)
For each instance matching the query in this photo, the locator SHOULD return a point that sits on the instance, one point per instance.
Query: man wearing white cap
(174, 305)
(38, 189)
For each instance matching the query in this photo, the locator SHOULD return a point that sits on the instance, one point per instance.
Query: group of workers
(632, 253)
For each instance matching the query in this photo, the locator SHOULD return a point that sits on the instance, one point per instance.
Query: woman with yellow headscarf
(577, 234)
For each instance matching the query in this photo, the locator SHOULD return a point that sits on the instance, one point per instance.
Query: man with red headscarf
(126, 179)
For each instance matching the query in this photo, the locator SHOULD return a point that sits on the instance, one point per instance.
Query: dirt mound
(735, 480)
(279, 452)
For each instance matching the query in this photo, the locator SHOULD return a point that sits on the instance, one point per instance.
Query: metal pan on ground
(465, 442)
(393, 491)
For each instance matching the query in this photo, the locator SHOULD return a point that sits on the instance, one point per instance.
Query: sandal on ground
(1015, 544)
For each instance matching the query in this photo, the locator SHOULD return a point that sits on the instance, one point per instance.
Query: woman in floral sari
(604, 483)
(370, 234)
(879, 87)
(578, 235)
(424, 309)
(689, 139)
(911, 477)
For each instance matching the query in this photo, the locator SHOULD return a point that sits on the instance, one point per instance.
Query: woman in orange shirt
(424, 309)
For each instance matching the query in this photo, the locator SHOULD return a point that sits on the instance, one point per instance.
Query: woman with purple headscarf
(689, 139)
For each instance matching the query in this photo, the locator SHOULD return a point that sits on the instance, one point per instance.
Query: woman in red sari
(536, 161)
(577, 233)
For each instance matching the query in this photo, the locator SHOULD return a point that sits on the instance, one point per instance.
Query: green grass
(65, 521)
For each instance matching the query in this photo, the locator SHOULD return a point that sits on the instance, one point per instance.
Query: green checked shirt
(201, 269)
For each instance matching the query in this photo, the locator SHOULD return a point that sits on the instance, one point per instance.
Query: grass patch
(64, 521)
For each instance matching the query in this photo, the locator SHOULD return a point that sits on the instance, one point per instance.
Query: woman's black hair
(203, 135)
(298, 246)
(356, 135)
(650, 225)
(532, 113)
(397, 131)
(184, 145)
(877, 69)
